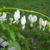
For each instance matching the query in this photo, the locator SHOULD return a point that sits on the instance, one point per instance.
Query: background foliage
(42, 6)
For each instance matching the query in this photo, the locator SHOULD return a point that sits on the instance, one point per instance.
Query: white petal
(32, 18)
(3, 17)
(14, 22)
(17, 15)
(40, 21)
(23, 20)
(43, 23)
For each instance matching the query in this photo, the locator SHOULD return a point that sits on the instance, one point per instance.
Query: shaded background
(42, 6)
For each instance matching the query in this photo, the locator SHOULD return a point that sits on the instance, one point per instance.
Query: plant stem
(11, 8)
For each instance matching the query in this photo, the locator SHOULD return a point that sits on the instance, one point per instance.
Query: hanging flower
(16, 16)
(42, 23)
(3, 17)
(23, 22)
(32, 19)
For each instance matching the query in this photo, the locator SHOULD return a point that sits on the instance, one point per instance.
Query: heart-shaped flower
(32, 19)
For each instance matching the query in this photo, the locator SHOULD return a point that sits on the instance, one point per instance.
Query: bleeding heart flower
(23, 22)
(16, 16)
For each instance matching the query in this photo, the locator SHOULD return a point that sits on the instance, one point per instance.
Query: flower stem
(32, 11)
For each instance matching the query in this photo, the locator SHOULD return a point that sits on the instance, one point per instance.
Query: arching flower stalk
(16, 16)
(23, 22)
(32, 19)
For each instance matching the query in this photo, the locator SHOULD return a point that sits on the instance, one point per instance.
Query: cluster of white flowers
(31, 18)
(3, 43)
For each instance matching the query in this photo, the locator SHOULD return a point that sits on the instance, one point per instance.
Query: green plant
(17, 37)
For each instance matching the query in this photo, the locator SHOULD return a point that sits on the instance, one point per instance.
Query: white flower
(11, 48)
(32, 18)
(23, 22)
(1, 40)
(3, 17)
(42, 23)
(17, 16)
(4, 44)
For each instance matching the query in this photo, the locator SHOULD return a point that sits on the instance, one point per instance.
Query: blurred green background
(42, 6)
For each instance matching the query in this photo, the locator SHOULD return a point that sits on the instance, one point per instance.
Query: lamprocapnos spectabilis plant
(15, 22)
